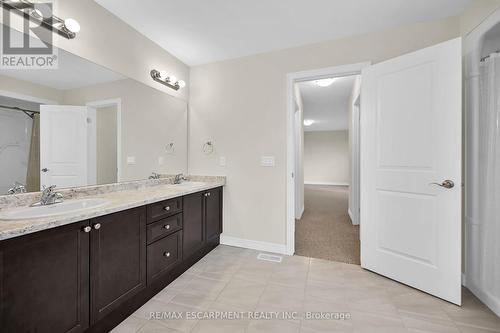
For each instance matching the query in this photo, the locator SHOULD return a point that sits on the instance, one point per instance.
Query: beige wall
(150, 120)
(241, 105)
(106, 145)
(106, 40)
(326, 157)
(23, 88)
(356, 90)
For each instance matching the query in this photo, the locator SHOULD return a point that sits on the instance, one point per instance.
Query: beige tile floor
(232, 279)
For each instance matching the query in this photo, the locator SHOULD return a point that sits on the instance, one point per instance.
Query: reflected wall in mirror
(83, 124)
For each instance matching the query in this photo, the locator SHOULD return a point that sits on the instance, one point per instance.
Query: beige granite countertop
(118, 201)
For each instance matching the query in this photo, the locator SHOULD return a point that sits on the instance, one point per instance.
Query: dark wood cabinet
(117, 260)
(193, 226)
(88, 276)
(44, 281)
(202, 219)
(213, 213)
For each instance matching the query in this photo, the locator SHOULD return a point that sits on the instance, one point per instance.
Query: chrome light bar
(66, 28)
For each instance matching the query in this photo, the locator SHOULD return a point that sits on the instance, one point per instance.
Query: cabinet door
(193, 228)
(213, 212)
(44, 281)
(117, 260)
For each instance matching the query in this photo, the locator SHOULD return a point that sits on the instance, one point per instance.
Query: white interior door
(411, 134)
(63, 145)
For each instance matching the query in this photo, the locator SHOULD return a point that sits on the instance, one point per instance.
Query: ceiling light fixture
(169, 80)
(33, 12)
(308, 122)
(325, 82)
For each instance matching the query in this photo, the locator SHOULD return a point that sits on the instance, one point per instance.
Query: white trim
(291, 78)
(325, 183)
(28, 98)
(464, 279)
(253, 245)
(118, 103)
(301, 213)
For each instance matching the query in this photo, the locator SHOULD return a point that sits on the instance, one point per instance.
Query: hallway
(325, 230)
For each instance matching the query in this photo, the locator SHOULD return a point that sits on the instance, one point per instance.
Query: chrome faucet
(179, 178)
(154, 175)
(49, 196)
(17, 189)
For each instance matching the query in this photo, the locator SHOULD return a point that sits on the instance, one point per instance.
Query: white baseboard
(491, 301)
(300, 214)
(253, 245)
(325, 183)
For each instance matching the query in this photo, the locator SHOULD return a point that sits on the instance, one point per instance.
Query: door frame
(291, 79)
(118, 103)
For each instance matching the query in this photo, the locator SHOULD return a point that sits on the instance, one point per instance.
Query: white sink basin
(65, 207)
(190, 184)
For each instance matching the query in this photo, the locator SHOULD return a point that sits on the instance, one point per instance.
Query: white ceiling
(200, 31)
(73, 72)
(327, 106)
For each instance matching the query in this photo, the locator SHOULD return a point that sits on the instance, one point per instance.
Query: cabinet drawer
(163, 209)
(163, 255)
(164, 227)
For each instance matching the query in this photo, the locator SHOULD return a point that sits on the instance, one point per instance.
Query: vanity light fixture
(325, 82)
(66, 28)
(167, 79)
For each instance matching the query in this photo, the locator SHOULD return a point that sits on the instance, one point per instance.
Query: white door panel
(63, 145)
(410, 138)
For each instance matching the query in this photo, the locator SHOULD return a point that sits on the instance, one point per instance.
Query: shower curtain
(33, 171)
(488, 182)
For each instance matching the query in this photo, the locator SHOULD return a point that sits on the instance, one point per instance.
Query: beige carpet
(325, 230)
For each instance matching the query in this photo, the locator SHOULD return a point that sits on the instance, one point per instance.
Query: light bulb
(182, 83)
(36, 13)
(325, 82)
(172, 79)
(72, 25)
(163, 75)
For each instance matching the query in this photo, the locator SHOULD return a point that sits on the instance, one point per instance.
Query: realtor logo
(32, 47)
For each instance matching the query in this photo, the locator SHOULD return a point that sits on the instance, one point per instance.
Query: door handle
(446, 184)
(45, 170)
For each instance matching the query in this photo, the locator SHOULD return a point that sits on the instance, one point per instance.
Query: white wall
(241, 105)
(326, 157)
(299, 153)
(354, 160)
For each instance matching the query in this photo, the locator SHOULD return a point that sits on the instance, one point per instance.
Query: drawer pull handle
(167, 254)
(167, 208)
(167, 226)
(97, 226)
(87, 229)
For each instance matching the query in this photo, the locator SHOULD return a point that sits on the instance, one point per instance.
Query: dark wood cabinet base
(113, 319)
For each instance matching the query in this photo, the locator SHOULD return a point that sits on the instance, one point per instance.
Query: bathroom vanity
(88, 275)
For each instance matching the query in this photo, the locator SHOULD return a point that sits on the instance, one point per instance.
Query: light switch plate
(130, 159)
(267, 161)
(222, 161)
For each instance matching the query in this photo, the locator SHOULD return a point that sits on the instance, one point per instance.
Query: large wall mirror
(82, 124)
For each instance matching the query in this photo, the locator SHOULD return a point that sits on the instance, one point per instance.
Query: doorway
(324, 122)
(321, 191)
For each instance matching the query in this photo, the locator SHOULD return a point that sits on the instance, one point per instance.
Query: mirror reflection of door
(106, 145)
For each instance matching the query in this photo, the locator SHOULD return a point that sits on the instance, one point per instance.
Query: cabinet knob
(167, 208)
(87, 229)
(208, 193)
(167, 226)
(167, 254)
(97, 226)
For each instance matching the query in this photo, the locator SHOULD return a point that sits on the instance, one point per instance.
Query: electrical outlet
(267, 161)
(130, 160)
